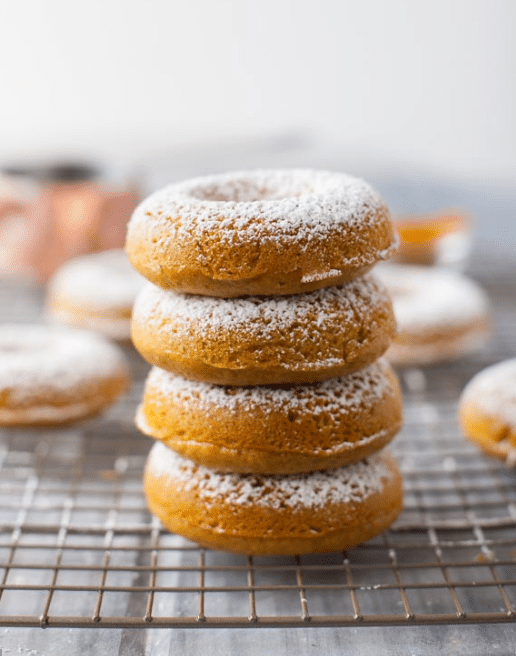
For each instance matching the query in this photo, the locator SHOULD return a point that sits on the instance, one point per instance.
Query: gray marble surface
(475, 640)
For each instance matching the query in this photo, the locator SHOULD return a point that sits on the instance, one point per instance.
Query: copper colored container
(49, 214)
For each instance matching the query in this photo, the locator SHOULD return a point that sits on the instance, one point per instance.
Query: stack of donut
(269, 400)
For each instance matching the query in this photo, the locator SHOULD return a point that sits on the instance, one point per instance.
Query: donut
(441, 314)
(55, 375)
(273, 430)
(487, 411)
(264, 340)
(274, 515)
(96, 292)
(260, 233)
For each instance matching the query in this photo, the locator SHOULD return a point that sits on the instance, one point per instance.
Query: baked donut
(441, 314)
(275, 515)
(274, 430)
(264, 340)
(97, 292)
(54, 375)
(487, 411)
(260, 233)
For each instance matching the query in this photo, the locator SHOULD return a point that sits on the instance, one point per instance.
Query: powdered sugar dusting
(335, 395)
(261, 315)
(101, 280)
(41, 359)
(274, 204)
(494, 391)
(349, 484)
(425, 299)
(332, 273)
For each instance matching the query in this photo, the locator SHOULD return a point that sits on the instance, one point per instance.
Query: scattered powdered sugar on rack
(285, 205)
(37, 357)
(262, 315)
(494, 391)
(352, 483)
(425, 298)
(334, 396)
(101, 280)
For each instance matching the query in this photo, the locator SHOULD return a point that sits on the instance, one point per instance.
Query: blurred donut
(97, 292)
(441, 314)
(51, 376)
(487, 411)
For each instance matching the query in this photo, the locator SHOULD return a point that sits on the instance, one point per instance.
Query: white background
(430, 84)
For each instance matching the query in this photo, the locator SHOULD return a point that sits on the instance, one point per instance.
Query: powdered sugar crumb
(334, 396)
(349, 484)
(323, 275)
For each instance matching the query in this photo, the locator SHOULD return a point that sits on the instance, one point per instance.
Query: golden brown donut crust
(264, 340)
(493, 435)
(276, 527)
(264, 430)
(487, 411)
(260, 233)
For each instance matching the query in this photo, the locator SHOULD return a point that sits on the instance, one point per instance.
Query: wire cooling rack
(79, 549)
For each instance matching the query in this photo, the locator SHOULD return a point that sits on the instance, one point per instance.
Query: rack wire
(78, 547)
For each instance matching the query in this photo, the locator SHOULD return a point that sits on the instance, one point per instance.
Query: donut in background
(441, 314)
(53, 375)
(95, 291)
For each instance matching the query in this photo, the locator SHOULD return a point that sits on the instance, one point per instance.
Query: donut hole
(247, 190)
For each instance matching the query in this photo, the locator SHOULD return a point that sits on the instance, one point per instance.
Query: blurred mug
(50, 214)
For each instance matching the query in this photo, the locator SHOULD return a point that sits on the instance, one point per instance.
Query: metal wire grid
(79, 549)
